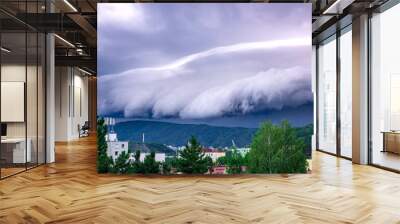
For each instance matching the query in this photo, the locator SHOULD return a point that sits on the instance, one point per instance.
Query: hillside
(159, 133)
(178, 134)
(150, 147)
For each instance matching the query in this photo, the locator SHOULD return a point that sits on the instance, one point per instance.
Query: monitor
(3, 129)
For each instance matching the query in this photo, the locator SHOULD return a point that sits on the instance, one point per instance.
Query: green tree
(121, 164)
(150, 164)
(221, 161)
(209, 164)
(103, 161)
(234, 162)
(191, 159)
(277, 149)
(137, 166)
(168, 165)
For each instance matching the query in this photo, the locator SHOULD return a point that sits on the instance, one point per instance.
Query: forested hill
(178, 134)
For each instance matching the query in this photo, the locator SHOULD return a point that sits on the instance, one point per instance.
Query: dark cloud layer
(198, 61)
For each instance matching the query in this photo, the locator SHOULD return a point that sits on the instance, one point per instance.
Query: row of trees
(234, 162)
(274, 149)
(277, 149)
(122, 164)
(191, 160)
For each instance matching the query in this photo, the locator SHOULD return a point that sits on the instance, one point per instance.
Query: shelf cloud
(242, 47)
(187, 89)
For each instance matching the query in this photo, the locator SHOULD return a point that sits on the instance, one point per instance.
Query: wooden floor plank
(70, 191)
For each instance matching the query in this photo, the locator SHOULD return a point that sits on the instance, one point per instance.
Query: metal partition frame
(340, 31)
(30, 29)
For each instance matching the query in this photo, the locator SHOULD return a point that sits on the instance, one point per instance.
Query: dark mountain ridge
(173, 134)
(178, 134)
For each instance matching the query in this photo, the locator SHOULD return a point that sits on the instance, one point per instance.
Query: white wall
(80, 104)
(71, 102)
(12, 73)
(61, 103)
(33, 126)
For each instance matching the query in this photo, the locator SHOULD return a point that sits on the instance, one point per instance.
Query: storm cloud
(179, 68)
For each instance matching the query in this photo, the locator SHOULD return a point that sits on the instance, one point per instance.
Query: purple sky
(203, 61)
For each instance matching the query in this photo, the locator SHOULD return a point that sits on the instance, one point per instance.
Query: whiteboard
(12, 101)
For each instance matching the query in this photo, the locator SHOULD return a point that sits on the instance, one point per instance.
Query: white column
(314, 90)
(50, 92)
(360, 90)
(50, 98)
(63, 99)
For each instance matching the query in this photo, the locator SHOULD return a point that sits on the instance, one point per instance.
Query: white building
(214, 154)
(243, 151)
(114, 149)
(111, 137)
(159, 157)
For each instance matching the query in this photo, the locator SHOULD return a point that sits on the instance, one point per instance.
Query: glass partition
(346, 93)
(13, 109)
(41, 96)
(327, 95)
(22, 88)
(32, 95)
(385, 89)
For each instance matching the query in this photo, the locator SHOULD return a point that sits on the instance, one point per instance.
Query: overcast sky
(203, 61)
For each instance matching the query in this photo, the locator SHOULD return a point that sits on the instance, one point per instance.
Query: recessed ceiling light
(5, 50)
(331, 7)
(84, 71)
(338, 6)
(70, 5)
(64, 40)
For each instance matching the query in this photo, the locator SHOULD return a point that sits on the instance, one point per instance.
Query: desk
(15, 148)
(391, 141)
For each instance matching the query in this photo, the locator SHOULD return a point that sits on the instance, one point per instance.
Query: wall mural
(204, 88)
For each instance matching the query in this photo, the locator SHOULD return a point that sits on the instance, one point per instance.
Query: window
(385, 89)
(116, 153)
(327, 96)
(346, 93)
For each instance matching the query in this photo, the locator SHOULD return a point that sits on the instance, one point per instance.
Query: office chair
(84, 130)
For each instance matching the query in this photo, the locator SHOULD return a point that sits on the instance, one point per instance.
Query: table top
(391, 132)
(13, 140)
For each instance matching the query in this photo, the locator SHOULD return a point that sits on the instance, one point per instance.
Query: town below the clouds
(167, 139)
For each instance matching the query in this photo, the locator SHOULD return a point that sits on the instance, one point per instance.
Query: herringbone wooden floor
(70, 191)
